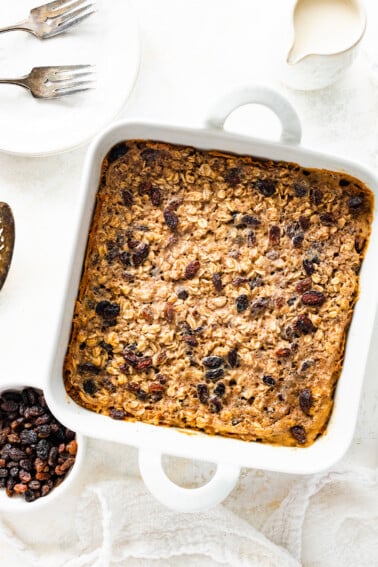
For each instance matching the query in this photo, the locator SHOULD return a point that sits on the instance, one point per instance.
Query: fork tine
(56, 4)
(72, 16)
(72, 77)
(63, 7)
(62, 27)
(71, 68)
(74, 88)
(71, 71)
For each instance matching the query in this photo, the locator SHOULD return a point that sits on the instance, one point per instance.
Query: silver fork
(54, 18)
(54, 82)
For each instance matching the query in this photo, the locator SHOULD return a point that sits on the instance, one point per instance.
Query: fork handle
(21, 26)
(21, 82)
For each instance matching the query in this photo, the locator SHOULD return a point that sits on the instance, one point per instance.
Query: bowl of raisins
(39, 456)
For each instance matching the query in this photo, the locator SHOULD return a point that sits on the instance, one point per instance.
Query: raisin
(316, 196)
(26, 464)
(303, 325)
(117, 152)
(127, 198)
(169, 313)
(133, 244)
(192, 269)
(106, 346)
(266, 187)
(144, 188)
(107, 310)
(291, 301)
(303, 285)
(203, 393)
(300, 190)
(251, 239)
(4, 473)
(355, 203)
(233, 176)
(274, 235)
(150, 155)
(140, 254)
(88, 368)
(359, 244)
(16, 454)
(313, 298)
(33, 411)
(215, 374)
(232, 358)
(53, 456)
(25, 476)
(306, 364)
(171, 219)
(29, 396)
(305, 400)
(156, 387)
(241, 303)
(182, 294)
(327, 219)
(34, 485)
(9, 406)
(174, 205)
(308, 267)
(12, 395)
(28, 437)
(191, 341)
(283, 352)
(212, 361)
(138, 362)
(220, 390)
(238, 281)
(217, 281)
(268, 380)
(298, 240)
(344, 183)
(143, 362)
(259, 306)
(125, 258)
(250, 220)
(215, 405)
(304, 222)
(14, 472)
(117, 413)
(155, 196)
(256, 281)
(43, 449)
(299, 434)
(292, 229)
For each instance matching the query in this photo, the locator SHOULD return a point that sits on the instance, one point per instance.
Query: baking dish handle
(291, 126)
(182, 499)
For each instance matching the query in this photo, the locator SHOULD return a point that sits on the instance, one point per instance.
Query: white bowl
(17, 503)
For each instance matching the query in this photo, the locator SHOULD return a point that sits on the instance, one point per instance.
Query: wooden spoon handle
(7, 237)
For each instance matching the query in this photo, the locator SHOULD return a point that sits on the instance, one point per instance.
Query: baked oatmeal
(217, 292)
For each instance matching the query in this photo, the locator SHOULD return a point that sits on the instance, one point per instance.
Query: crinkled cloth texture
(117, 522)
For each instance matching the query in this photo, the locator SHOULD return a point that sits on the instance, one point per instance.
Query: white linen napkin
(329, 519)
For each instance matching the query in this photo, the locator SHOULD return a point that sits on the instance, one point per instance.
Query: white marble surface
(192, 52)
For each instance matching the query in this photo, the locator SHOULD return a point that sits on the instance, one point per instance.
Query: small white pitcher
(324, 40)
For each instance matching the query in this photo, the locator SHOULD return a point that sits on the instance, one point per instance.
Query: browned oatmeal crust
(217, 292)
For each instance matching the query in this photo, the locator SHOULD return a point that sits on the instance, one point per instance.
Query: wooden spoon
(7, 236)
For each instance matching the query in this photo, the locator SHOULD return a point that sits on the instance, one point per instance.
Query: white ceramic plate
(108, 39)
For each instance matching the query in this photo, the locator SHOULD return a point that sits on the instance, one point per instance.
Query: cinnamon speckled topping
(217, 292)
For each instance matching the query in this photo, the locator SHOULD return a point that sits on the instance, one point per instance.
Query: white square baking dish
(228, 454)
